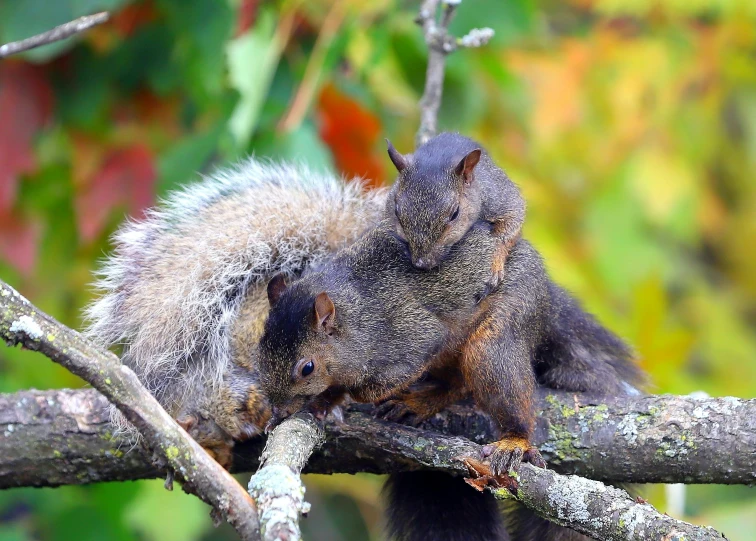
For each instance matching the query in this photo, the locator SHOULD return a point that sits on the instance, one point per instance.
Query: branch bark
(277, 487)
(596, 510)
(56, 34)
(51, 438)
(22, 323)
(587, 506)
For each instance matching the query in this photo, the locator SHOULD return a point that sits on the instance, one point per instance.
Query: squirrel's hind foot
(507, 453)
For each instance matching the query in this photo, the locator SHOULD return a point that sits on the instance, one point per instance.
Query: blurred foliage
(629, 124)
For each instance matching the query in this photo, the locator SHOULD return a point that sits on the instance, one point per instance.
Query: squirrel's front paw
(497, 276)
(397, 411)
(507, 453)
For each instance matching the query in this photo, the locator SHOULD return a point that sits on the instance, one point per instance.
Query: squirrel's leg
(496, 363)
(216, 442)
(421, 400)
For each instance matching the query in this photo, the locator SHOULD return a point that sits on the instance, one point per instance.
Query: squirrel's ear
(399, 160)
(325, 313)
(465, 167)
(276, 287)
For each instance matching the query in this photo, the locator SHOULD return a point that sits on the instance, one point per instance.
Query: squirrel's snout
(423, 263)
(277, 415)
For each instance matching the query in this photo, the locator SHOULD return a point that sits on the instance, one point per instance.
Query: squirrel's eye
(396, 209)
(308, 368)
(454, 215)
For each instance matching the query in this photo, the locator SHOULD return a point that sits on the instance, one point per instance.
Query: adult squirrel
(172, 292)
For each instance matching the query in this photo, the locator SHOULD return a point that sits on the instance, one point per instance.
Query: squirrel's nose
(421, 263)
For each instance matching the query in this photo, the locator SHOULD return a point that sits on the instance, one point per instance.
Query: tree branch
(22, 323)
(587, 506)
(51, 438)
(440, 43)
(56, 34)
(596, 510)
(276, 487)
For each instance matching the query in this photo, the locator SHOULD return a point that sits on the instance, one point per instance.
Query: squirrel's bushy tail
(177, 278)
(581, 355)
(427, 505)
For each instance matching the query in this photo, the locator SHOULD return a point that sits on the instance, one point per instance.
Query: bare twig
(276, 487)
(56, 34)
(440, 43)
(22, 323)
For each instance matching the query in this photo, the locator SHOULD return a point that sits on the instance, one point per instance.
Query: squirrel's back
(175, 281)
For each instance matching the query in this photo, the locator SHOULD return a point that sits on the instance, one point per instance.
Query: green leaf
(303, 146)
(201, 29)
(252, 59)
(180, 163)
(160, 515)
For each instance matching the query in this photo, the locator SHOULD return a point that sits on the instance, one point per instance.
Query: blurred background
(630, 126)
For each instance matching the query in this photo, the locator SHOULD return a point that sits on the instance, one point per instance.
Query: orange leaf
(351, 132)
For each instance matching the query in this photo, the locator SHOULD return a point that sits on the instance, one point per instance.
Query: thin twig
(22, 323)
(440, 43)
(56, 34)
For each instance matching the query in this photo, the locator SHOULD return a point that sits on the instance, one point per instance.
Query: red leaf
(26, 103)
(125, 177)
(133, 16)
(247, 15)
(18, 241)
(351, 131)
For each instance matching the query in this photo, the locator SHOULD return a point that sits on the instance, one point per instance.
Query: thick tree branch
(50, 438)
(21, 323)
(56, 34)
(587, 506)
(276, 487)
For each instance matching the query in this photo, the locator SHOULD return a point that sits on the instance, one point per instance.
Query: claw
(395, 411)
(533, 456)
(507, 454)
(338, 413)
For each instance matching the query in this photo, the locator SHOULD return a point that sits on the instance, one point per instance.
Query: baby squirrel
(172, 292)
(443, 188)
